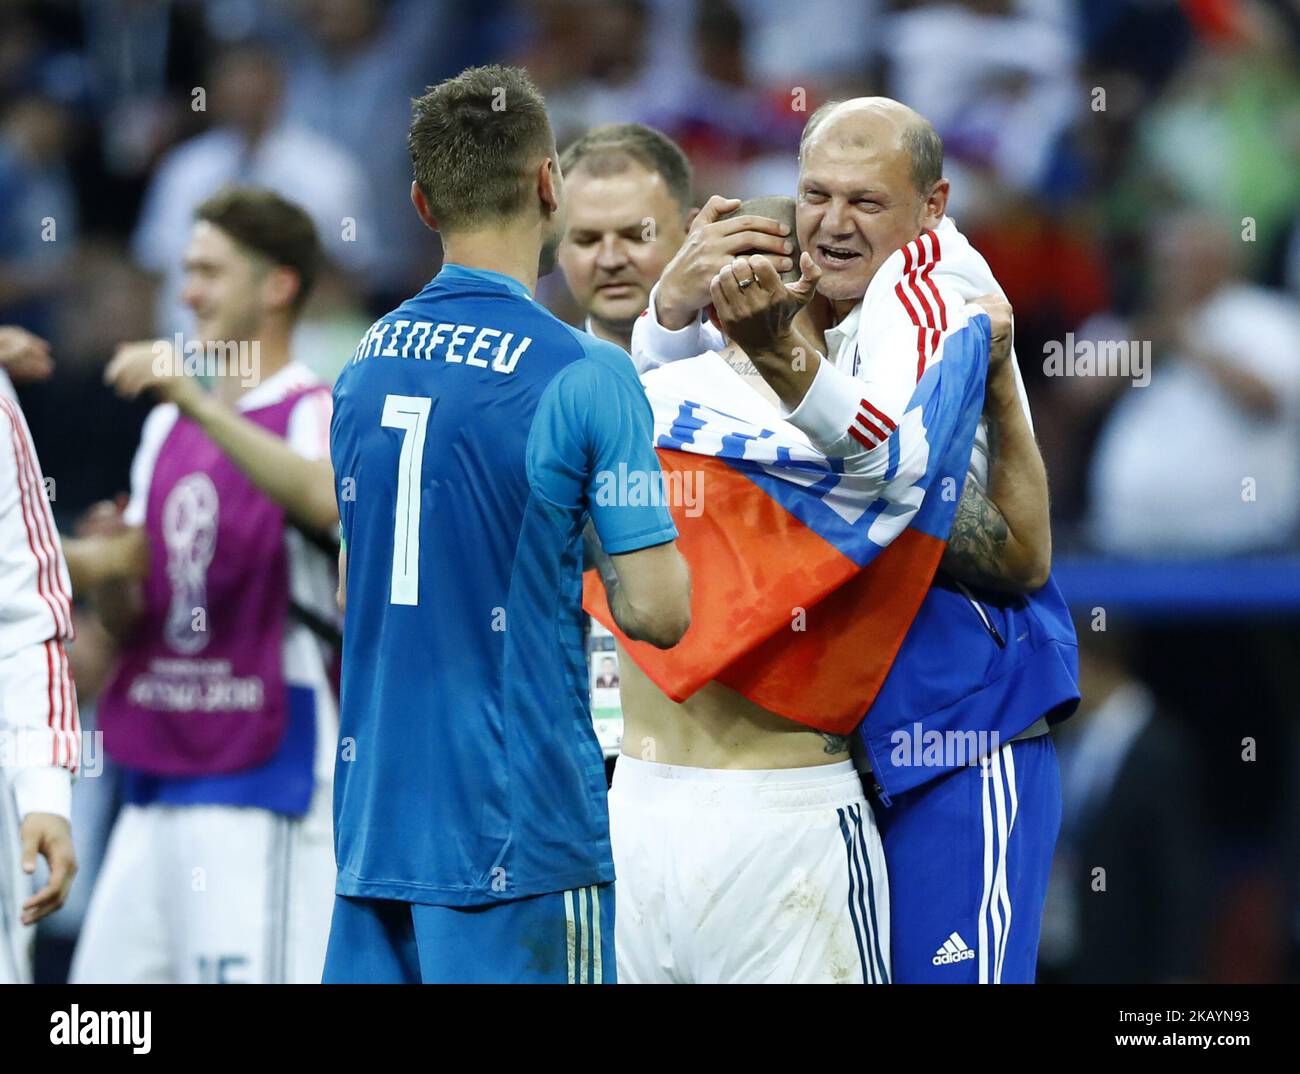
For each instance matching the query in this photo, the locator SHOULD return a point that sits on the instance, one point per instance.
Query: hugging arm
(1001, 537)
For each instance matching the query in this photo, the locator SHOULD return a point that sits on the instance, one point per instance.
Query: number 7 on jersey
(410, 413)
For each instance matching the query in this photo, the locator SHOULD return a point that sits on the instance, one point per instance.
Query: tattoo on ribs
(834, 743)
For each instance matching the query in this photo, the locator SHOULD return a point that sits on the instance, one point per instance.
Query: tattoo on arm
(978, 540)
(834, 743)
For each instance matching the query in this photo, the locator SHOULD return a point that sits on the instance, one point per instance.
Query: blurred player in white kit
(40, 737)
(220, 588)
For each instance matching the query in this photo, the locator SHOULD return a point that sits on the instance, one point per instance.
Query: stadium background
(1121, 163)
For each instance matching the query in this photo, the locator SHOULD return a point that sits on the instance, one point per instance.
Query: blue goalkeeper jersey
(470, 431)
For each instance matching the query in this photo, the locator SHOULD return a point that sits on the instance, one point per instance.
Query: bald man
(745, 849)
(968, 825)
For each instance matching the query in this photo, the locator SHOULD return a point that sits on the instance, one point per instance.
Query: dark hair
(921, 141)
(472, 140)
(264, 223)
(608, 150)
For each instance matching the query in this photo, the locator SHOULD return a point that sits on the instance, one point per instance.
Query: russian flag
(806, 572)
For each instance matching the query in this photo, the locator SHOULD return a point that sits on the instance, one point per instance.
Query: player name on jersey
(453, 343)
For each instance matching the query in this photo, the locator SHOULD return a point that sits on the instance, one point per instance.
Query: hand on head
(711, 244)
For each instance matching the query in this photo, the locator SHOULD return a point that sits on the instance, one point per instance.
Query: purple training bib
(200, 688)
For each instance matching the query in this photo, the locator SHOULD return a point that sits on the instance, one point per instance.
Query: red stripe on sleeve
(920, 330)
(33, 534)
(860, 437)
(921, 300)
(52, 719)
(938, 299)
(43, 525)
(872, 428)
(71, 717)
(884, 418)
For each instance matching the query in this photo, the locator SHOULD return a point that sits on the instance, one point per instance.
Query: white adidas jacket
(873, 364)
(40, 736)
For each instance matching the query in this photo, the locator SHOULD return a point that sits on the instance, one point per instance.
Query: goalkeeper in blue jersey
(470, 431)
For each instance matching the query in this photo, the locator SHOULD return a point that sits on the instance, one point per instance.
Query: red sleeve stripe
(925, 346)
(920, 297)
(919, 259)
(929, 283)
(861, 437)
(920, 328)
(39, 526)
(919, 263)
(60, 693)
(61, 696)
(43, 525)
(873, 430)
(72, 722)
(868, 432)
(902, 297)
(33, 538)
(72, 718)
(53, 703)
(45, 522)
(884, 418)
(65, 724)
(53, 667)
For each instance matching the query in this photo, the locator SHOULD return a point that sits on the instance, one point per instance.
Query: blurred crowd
(1130, 169)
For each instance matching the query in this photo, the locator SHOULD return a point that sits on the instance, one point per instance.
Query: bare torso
(715, 728)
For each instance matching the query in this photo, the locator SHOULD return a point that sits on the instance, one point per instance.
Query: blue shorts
(969, 857)
(566, 937)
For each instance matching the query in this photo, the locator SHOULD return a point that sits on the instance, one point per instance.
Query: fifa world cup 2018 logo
(189, 523)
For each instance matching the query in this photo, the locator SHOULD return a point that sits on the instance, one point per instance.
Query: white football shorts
(211, 894)
(722, 876)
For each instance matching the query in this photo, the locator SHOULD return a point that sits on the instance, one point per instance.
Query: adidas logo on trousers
(954, 949)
